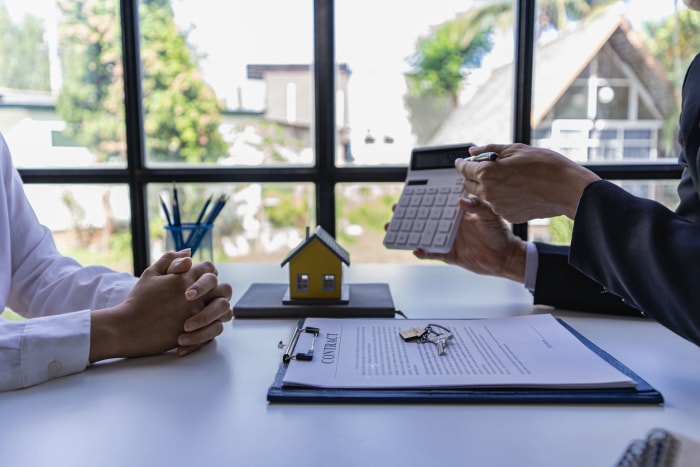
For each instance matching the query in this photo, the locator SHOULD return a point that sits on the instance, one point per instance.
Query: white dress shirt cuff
(532, 262)
(55, 346)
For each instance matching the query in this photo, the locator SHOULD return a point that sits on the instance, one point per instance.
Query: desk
(209, 409)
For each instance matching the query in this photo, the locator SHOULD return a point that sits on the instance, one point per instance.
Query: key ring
(429, 328)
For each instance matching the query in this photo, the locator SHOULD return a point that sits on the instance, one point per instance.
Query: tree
(441, 58)
(674, 42)
(182, 113)
(24, 58)
(444, 56)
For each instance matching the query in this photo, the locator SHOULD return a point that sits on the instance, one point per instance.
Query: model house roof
(326, 239)
(556, 65)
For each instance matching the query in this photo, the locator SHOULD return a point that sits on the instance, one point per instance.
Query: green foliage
(441, 58)
(291, 211)
(182, 114)
(561, 229)
(674, 41)
(373, 214)
(24, 58)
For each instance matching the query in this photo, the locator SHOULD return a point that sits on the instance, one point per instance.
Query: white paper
(523, 351)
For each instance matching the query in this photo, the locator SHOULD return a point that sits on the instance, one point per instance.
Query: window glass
(362, 210)
(91, 223)
(227, 83)
(417, 76)
(61, 88)
(558, 230)
(617, 98)
(259, 222)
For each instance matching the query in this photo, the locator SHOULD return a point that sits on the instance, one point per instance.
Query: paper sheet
(523, 351)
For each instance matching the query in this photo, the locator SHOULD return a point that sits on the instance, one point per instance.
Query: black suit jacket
(630, 254)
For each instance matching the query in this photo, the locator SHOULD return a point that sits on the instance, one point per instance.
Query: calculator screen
(439, 157)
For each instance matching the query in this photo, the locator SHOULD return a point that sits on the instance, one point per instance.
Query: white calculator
(428, 214)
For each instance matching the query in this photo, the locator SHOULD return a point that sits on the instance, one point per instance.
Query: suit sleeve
(560, 285)
(643, 252)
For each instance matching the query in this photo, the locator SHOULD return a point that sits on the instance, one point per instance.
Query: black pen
(484, 156)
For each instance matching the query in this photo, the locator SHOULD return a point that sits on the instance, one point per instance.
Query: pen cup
(197, 237)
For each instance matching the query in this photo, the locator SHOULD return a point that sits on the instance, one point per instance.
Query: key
(413, 334)
(441, 341)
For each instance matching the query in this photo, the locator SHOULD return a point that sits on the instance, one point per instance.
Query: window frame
(324, 174)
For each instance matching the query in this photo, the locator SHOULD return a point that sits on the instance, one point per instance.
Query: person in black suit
(627, 255)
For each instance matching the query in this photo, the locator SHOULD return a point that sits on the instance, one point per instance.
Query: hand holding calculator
(427, 215)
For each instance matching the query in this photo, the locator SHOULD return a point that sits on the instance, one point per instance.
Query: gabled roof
(326, 239)
(556, 65)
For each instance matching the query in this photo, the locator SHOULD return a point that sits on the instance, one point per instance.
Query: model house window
(302, 282)
(329, 282)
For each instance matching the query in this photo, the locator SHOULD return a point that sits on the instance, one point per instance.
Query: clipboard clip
(289, 351)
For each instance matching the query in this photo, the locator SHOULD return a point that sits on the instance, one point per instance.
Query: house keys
(433, 333)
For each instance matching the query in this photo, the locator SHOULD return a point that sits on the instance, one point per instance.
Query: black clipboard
(642, 393)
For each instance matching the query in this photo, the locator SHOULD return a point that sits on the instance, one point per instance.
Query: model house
(316, 267)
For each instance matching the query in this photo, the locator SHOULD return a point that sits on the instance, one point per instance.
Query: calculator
(428, 213)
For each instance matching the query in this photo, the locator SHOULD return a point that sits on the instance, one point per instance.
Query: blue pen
(215, 211)
(165, 211)
(177, 232)
(188, 242)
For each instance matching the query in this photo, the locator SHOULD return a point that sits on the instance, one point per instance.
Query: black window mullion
(134, 133)
(524, 57)
(324, 117)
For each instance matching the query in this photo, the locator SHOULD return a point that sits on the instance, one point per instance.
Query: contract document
(533, 351)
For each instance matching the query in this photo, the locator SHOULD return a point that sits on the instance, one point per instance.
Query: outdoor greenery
(24, 54)
(182, 113)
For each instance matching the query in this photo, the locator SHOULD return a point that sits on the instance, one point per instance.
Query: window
(303, 282)
(329, 283)
(305, 113)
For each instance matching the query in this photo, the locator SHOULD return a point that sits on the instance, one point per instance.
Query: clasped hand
(174, 304)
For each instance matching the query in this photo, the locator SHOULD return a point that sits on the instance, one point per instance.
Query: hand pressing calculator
(428, 214)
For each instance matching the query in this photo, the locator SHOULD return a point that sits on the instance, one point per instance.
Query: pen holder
(197, 237)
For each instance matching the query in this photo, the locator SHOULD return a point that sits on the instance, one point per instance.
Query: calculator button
(440, 240)
(427, 238)
(399, 212)
(401, 238)
(444, 226)
(406, 225)
(436, 213)
(414, 238)
(395, 226)
(411, 213)
(428, 200)
(440, 200)
(423, 213)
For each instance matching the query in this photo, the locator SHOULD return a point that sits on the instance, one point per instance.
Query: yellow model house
(316, 267)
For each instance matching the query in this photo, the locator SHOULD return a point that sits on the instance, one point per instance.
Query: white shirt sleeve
(54, 292)
(532, 263)
(39, 349)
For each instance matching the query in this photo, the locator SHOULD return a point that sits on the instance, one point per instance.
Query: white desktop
(210, 408)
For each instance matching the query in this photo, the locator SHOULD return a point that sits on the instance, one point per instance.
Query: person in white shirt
(77, 315)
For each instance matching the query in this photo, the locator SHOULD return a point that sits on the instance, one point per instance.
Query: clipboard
(642, 393)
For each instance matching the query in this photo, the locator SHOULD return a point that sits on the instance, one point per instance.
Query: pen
(177, 233)
(484, 156)
(165, 211)
(197, 238)
(198, 222)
